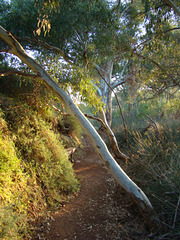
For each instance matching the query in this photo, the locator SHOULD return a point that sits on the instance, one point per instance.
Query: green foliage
(160, 66)
(136, 104)
(9, 224)
(35, 172)
(42, 148)
(74, 80)
(21, 14)
(66, 25)
(13, 182)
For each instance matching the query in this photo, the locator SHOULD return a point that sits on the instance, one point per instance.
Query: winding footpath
(100, 211)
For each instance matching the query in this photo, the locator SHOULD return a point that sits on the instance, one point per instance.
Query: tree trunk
(106, 93)
(109, 107)
(109, 89)
(113, 140)
(136, 193)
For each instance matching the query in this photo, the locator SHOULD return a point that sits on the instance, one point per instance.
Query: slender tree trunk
(136, 193)
(108, 98)
(106, 93)
(109, 107)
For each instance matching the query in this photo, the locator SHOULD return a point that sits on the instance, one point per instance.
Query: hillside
(35, 172)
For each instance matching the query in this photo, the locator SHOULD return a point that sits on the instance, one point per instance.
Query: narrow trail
(96, 213)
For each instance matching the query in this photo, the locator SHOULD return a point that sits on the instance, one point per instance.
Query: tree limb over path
(136, 193)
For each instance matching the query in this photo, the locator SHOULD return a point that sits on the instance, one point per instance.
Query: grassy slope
(35, 172)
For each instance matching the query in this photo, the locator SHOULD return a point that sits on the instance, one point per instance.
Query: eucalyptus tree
(82, 34)
(14, 47)
(99, 43)
(155, 56)
(87, 34)
(101, 39)
(10, 45)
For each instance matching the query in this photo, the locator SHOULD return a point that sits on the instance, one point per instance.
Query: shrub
(13, 182)
(155, 167)
(35, 172)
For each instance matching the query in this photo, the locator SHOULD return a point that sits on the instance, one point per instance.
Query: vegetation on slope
(35, 172)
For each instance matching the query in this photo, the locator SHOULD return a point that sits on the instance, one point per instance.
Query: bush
(154, 165)
(35, 172)
(13, 182)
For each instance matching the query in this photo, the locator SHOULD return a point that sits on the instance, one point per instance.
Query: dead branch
(59, 111)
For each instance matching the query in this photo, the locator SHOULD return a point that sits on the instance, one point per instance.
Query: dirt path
(95, 213)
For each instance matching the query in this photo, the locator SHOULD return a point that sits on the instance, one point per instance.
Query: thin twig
(175, 216)
(58, 110)
(163, 223)
(49, 47)
(5, 50)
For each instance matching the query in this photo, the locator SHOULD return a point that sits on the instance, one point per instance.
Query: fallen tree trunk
(136, 193)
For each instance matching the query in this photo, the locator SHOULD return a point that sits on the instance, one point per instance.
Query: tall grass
(155, 166)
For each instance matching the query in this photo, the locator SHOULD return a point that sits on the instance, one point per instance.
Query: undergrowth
(155, 166)
(35, 173)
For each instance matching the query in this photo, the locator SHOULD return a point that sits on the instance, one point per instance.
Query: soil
(100, 211)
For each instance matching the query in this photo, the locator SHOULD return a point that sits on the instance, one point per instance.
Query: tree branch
(173, 5)
(154, 62)
(5, 51)
(124, 124)
(118, 83)
(14, 71)
(122, 79)
(109, 132)
(50, 47)
(59, 111)
(155, 35)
